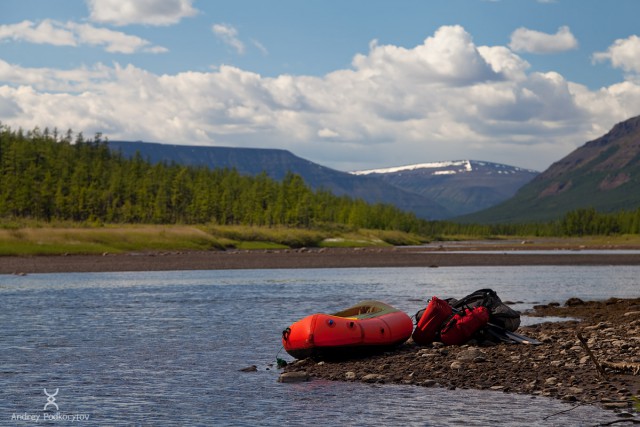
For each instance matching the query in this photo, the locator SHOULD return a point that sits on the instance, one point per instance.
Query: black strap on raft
(281, 363)
(286, 333)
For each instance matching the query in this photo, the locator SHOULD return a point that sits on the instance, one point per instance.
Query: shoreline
(560, 368)
(314, 258)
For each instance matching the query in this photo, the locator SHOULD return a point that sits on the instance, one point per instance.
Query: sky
(349, 84)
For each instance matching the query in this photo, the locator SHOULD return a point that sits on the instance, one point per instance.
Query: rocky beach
(604, 370)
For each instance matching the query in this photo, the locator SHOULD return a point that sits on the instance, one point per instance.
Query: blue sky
(348, 84)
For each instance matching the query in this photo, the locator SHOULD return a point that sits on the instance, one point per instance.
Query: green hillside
(604, 174)
(528, 206)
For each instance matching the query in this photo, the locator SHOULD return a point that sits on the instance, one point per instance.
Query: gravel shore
(560, 368)
(312, 258)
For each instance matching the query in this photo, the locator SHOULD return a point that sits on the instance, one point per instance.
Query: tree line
(45, 175)
(576, 223)
(48, 176)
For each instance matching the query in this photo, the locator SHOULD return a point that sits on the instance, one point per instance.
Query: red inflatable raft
(366, 327)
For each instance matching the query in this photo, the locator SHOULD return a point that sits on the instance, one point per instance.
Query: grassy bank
(31, 238)
(65, 238)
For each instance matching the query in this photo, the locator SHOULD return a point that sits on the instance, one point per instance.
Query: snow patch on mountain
(448, 168)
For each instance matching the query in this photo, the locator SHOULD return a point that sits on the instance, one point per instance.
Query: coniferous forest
(48, 176)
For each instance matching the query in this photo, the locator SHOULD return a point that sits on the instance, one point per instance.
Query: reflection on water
(165, 348)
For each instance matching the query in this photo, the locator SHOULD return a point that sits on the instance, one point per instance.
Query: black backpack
(499, 313)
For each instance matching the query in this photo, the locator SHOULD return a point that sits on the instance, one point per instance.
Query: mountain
(276, 163)
(462, 186)
(603, 174)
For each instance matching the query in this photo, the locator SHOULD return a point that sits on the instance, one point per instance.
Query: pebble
(615, 405)
(373, 378)
(293, 377)
(456, 365)
(470, 354)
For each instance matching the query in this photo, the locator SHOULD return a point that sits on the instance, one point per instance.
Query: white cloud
(504, 61)
(327, 133)
(526, 40)
(443, 99)
(46, 32)
(623, 53)
(114, 41)
(54, 80)
(260, 47)
(448, 56)
(229, 35)
(74, 34)
(8, 108)
(148, 12)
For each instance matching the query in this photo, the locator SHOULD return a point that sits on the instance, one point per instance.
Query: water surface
(165, 348)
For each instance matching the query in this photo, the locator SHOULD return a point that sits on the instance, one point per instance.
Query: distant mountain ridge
(603, 174)
(436, 190)
(464, 186)
(276, 163)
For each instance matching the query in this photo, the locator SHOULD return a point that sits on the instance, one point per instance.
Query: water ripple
(165, 348)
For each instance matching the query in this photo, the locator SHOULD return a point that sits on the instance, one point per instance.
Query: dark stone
(573, 302)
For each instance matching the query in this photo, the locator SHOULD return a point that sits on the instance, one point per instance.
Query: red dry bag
(430, 323)
(463, 325)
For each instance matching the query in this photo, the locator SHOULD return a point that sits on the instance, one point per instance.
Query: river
(166, 348)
